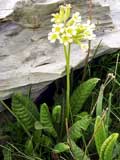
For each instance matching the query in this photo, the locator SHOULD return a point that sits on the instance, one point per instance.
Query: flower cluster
(70, 30)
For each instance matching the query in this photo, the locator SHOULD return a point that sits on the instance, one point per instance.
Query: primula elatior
(70, 30)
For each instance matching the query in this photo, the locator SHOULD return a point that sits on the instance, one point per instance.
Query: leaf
(46, 141)
(61, 147)
(29, 147)
(56, 114)
(37, 136)
(45, 120)
(7, 153)
(39, 126)
(100, 133)
(100, 101)
(81, 94)
(25, 111)
(77, 152)
(77, 128)
(80, 115)
(107, 147)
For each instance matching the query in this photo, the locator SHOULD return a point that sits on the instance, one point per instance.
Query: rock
(28, 60)
(29, 13)
(6, 7)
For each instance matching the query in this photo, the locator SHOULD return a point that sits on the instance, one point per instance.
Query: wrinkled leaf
(61, 147)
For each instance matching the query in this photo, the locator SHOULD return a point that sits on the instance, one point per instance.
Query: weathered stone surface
(6, 7)
(27, 59)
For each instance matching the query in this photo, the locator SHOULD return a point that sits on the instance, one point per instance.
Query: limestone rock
(27, 59)
(6, 7)
(29, 13)
(37, 13)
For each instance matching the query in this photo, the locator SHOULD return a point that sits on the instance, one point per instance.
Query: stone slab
(27, 59)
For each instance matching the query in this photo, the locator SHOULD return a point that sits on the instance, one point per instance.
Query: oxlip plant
(39, 134)
(68, 29)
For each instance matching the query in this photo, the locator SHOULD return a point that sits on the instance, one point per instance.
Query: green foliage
(107, 147)
(45, 120)
(77, 152)
(81, 94)
(48, 134)
(56, 114)
(61, 147)
(39, 126)
(29, 147)
(24, 110)
(78, 127)
(46, 141)
(116, 153)
(7, 153)
(99, 132)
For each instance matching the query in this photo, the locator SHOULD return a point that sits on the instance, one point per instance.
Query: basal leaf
(77, 128)
(77, 152)
(107, 147)
(46, 121)
(29, 147)
(100, 133)
(56, 114)
(61, 147)
(7, 153)
(81, 94)
(24, 110)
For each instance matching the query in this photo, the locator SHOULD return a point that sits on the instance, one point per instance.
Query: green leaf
(45, 120)
(107, 147)
(24, 110)
(56, 114)
(100, 133)
(81, 94)
(37, 136)
(77, 128)
(29, 147)
(61, 147)
(39, 126)
(46, 141)
(7, 153)
(80, 115)
(77, 152)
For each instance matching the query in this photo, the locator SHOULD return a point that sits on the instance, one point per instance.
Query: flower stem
(67, 58)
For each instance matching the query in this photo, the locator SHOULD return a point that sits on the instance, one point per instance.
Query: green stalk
(67, 58)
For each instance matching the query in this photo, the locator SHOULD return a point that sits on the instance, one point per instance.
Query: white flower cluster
(70, 30)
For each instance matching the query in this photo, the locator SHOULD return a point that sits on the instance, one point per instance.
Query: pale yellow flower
(70, 22)
(76, 17)
(58, 28)
(53, 36)
(66, 39)
(71, 30)
(63, 14)
(56, 18)
(67, 12)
